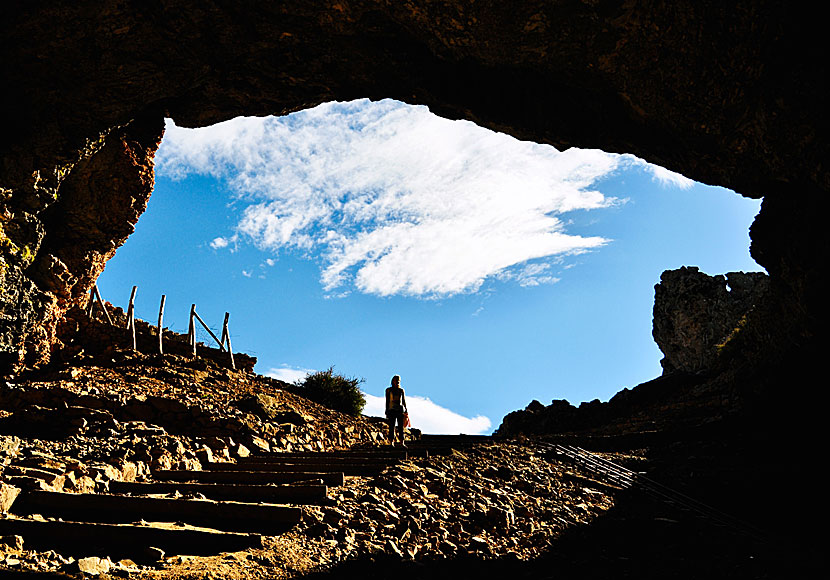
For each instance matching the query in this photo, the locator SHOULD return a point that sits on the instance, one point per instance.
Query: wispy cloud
(397, 200)
(668, 178)
(430, 417)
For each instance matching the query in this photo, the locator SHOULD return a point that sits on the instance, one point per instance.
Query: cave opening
(366, 235)
(728, 94)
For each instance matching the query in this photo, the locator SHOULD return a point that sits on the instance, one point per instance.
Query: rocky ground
(118, 415)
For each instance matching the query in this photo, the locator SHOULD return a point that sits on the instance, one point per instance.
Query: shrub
(334, 391)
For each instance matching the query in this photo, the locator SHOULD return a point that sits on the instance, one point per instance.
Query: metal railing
(625, 478)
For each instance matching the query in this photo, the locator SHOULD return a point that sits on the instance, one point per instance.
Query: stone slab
(103, 508)
(124, 540)
(332, 478)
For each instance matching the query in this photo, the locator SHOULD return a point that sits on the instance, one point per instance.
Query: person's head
(396, 381)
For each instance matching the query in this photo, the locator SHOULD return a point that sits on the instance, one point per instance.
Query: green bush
(334, 391)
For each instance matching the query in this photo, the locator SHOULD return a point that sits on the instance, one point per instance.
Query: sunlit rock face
(726, 93)
(58, 236)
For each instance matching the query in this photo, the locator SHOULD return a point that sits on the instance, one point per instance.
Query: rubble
(492, 501)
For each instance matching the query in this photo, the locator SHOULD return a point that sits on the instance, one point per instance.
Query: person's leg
(400, 425)
(390, 420)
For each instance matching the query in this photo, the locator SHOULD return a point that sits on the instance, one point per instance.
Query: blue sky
(381, 239)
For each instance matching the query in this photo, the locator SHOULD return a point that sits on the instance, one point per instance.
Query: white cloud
(430, 417)
(219, 243)
(288, 373)
(397, 200)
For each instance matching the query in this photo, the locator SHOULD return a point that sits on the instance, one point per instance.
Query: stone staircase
(224, 507)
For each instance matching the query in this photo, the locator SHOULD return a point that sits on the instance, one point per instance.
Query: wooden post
(192, 329)
(131, 316)
(101, 303)
(226, 335)
(91, 301)
(160, 327)
(131, 305)
(224, 332)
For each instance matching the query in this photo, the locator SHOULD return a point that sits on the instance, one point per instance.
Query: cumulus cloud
(430, 417)
(395, 199)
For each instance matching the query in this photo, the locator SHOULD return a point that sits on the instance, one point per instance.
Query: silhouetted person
(395, 409)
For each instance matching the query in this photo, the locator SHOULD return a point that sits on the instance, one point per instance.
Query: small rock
(94, 566)
(8, 493)
(11, 544)
(392, 548)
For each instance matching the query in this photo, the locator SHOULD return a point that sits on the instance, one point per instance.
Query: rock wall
(731, 94)
(57, 232)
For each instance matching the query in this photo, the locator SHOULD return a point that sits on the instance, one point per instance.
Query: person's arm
(387, 399)
(403, 401)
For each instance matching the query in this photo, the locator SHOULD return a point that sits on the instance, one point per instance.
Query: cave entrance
(381, 239)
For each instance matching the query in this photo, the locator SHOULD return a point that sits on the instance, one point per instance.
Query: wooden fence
(95, 298)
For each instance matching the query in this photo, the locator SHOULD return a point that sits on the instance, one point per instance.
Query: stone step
(312, 460)
(254, 477)
(123, 540)
(446, 441)
(379, 453)
(103, 508)
(369, 468)
(440, 444)
(436, 438)
(295, 494)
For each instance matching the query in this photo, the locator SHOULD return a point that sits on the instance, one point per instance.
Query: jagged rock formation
(728, 94)
(667, 404)
(695, 313)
